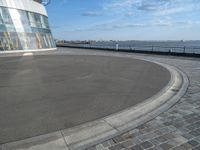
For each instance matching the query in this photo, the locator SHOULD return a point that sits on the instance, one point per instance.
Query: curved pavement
(42, 94)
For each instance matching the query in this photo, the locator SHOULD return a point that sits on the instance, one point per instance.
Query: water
(163, 46)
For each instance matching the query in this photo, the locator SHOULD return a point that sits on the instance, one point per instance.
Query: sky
(125, 19)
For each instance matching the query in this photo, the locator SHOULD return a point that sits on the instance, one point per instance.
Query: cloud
(114, 26)
(91, 13)
(119, 4)
(129, 14)
(162, 7)
(145, 7)
(134, 25)
(64, 1)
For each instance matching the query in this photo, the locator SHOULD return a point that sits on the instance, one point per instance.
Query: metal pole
(184, 49)
(117, 47)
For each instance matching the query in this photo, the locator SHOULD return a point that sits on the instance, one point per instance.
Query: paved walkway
(43, 94)
(178, 128)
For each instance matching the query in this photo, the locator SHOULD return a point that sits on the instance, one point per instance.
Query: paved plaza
(43, 94)
(178, 128)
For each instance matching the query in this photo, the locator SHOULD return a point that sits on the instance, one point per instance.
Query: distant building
(24, 25)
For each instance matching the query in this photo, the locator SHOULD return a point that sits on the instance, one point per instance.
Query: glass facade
(21, 30)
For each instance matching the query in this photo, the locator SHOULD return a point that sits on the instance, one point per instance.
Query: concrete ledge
(77, 137)
(25, 51)
(52, 141)
(92, 133)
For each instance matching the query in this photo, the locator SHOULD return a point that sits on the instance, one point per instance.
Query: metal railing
(139, 48)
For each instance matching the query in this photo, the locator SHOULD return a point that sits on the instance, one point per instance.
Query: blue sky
(125, 19)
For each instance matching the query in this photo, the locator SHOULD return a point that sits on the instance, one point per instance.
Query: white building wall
(27, 5)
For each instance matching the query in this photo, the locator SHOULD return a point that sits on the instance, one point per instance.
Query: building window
(24, 30)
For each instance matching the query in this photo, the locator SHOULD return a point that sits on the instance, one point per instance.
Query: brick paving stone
(156, 148)
(127, 136)
(136, 141)
(173, 143)
(167, 129)
(158, 132)
(161, 139)
(167, 123)
(146, 137)
(191, 120)
(179, 148)
(166, 146)
(147, 145)
(91, 148)
(180, 140)
(169, 136)
(188, 136)
(99, 147)
(187, 146)
(127, 144)
(197, 139)
(178, 124)
(127, 149)
(156, 124)
(134, 133)
(193, 143)
(155, 142)
(137, 147)
(118, 139)
(116, 147)
(196, 148)
(108, 143)
(184, 130)
(141, 127)
(146, 130)
(194, 126)
(198, 130)
(194, 133)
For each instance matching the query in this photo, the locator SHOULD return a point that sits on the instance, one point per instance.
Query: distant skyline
(125, 19)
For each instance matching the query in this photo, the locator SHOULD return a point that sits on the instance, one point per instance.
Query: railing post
(117, 47)
(184, 49)
(170, 50)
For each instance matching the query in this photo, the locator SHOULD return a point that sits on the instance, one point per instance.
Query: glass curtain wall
(21, 30)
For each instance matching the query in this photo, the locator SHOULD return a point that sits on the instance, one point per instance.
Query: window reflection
(26, 31)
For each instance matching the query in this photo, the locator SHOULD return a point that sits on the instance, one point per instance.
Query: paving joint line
(67, 146)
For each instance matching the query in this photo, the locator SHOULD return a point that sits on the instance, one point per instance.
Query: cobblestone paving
(176, 129)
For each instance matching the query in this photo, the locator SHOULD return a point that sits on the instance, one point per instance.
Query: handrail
(147, 48)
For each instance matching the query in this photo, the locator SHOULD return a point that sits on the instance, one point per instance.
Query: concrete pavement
(47, 93)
